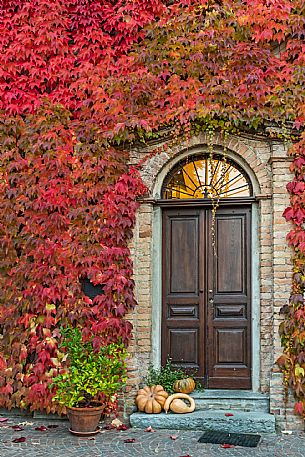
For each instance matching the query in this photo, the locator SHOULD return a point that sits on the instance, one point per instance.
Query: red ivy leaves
(49, 51)
(292, 362)
(296, 213)
(299, 408)
(64, 217)
(296, 187)
(79, 79)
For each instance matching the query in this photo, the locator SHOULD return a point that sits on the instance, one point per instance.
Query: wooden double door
(206, 318)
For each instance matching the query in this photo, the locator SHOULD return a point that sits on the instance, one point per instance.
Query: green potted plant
(89, 381)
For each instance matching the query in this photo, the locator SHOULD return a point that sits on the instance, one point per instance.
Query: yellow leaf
(299, 371)
(50, 307)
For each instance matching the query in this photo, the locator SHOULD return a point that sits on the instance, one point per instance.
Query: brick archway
(154, 174)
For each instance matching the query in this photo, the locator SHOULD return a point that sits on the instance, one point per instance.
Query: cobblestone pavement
(58, 442)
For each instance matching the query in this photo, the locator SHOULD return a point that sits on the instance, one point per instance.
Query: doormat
(236, 439)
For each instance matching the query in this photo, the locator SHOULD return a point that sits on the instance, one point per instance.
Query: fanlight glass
(203, 177)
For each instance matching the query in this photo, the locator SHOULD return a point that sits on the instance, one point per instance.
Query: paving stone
(58, 442)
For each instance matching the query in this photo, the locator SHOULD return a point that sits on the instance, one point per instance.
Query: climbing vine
(292, 329)
(80, 82)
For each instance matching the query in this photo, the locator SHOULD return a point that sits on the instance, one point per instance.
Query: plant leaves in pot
(91, 379)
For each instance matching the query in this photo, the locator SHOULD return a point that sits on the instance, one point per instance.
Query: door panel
(184, 345)
(206, 322)
(230, 270)
(229, 344)
(181, 312)
(184, 245)
(182, 332)
(229, 301)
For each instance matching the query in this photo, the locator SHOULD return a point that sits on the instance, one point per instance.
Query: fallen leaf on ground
(17, 428)
(173, 437)
(287, 432)
(22, 439)
(130, 440)
(42, 428)
(122, 427)
(226, 446)
(109, 427)
(116, 423)
(3, 419)
(229, 414)
(149, 429)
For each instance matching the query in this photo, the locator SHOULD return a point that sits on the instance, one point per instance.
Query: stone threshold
(228, 421)
(231, 394)
(237, 400)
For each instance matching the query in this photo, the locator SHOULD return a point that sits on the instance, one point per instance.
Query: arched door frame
(157, 260)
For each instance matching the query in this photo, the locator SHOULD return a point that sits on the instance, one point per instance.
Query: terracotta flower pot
(84, 420)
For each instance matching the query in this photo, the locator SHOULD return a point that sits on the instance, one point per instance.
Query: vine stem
(214, 195)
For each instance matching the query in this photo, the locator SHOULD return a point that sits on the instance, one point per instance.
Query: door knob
(210, 291)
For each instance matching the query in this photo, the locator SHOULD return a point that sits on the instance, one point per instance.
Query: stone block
(240, 422)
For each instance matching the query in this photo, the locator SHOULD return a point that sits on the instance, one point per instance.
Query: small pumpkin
(185, 386)
(151, 399)
(177, 405)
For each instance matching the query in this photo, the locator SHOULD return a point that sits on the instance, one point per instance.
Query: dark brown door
(206, 322)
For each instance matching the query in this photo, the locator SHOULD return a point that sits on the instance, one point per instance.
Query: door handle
(211, 297)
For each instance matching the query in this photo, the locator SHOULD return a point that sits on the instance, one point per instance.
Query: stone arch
(243, 152)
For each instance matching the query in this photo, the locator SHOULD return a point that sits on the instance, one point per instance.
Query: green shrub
(91, 376)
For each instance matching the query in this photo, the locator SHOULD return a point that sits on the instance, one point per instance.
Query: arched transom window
(203, 177)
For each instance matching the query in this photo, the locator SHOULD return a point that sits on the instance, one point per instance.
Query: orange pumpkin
(151, 399)
(185, 386)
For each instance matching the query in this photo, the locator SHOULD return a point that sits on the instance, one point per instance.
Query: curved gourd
(175, 404)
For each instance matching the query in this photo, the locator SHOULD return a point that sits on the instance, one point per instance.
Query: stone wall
(267, 164)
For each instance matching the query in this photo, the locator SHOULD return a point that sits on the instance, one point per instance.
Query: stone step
(241, 400)
(240, 422)
(44, 416)
(15, 412)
